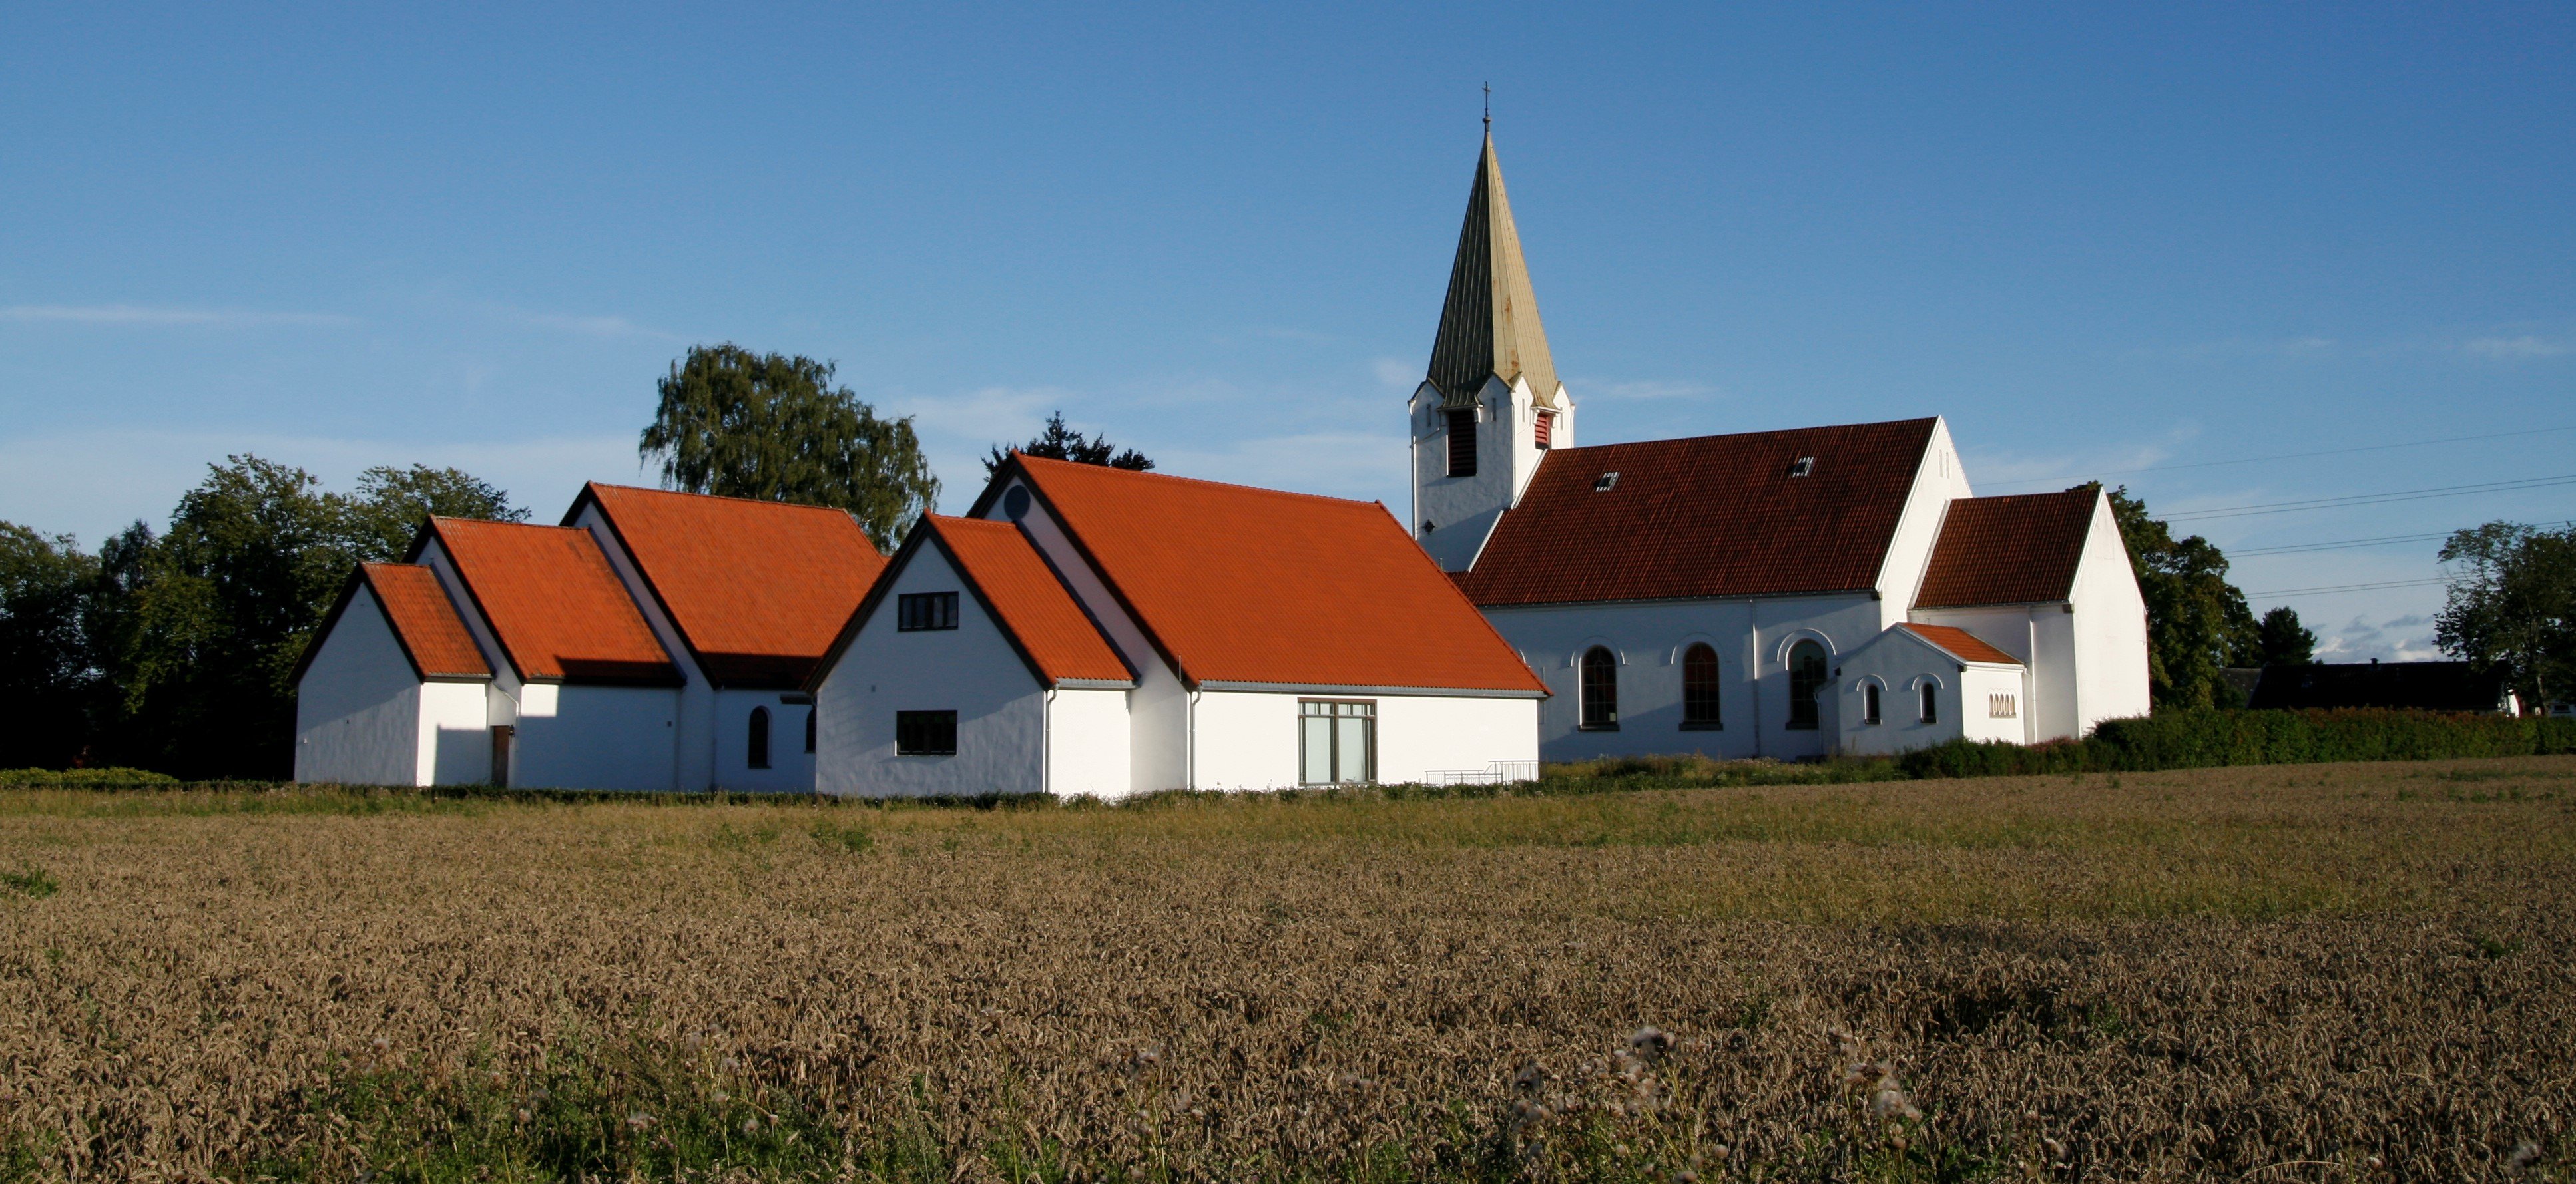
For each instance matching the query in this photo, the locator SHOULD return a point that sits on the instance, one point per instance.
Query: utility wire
(2372, 499)
(2247, 460)
(2349, 588)
(2300, 548)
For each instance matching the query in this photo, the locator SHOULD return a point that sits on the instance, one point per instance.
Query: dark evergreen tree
(2282, 641)
(1058, 442)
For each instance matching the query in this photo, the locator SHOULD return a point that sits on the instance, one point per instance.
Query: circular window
(1015, 502)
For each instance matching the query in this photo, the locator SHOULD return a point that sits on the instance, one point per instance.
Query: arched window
(1806, 677)
(1931, 712)
(1600, 691)
(1699, 687)
(759, 746)
(809, 731)
(1869, 703)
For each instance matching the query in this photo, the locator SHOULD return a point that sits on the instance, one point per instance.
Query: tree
(2197, 622)
(199, 630)
(764, 426)
(45, 673)
(2512, 604)
(1059, 442)
(2281, 641)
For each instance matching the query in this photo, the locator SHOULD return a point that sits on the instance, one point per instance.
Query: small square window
(1606, 482)
(1802, 466)
(925, 733)
(914, 611)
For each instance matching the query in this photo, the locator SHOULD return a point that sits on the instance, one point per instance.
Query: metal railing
(1497, 773)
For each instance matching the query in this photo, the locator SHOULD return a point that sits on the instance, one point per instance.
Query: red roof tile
(1960, 644)
(1236, 584)
(2009, 550)
(425, 621)
(550, 598)
(1034, 606)
(757, 589)
(1709, 516)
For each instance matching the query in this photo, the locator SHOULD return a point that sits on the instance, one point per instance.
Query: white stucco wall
(2108, 629)
(971, 670)
(1086, 743)
(1465, 509)
(574, 736)
(1900, 663)
(1249, 739)
(455, 742)
(791, 768)
(1751, 637)
(357, 710)
(695, 726)
(1939, 477)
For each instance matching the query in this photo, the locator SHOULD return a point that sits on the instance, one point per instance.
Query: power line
(2247, 460)
(2372, 499)
(2348, 588)
(2300, 548)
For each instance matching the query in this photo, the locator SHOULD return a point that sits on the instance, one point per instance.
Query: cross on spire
(1489, 106)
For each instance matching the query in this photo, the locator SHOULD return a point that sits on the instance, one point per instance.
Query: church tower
(1491, 406)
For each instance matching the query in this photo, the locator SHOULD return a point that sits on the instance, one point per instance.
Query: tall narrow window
(1699, 688)
(925, 733)
(1336, 742)
(1869, 703)
(757, 748)
(1930, 712)
(1806, 677)
(809, 730)
(1462, 442)
(1600, 691)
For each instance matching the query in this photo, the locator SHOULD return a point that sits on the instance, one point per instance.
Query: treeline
(2208, 738)
(173, 651)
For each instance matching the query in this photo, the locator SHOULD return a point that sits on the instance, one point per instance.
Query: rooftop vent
(1606, 482)
(1802, 466)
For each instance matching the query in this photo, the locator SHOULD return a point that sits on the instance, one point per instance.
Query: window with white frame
(1336, 741)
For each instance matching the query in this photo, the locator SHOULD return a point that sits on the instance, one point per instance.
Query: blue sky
(2099, 239)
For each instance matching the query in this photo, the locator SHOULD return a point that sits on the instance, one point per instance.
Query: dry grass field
(2344, 972)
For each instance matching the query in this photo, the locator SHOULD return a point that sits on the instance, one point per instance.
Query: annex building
(1769, 594)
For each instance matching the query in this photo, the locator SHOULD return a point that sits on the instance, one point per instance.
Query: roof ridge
(1321, 497)
(1824, 427)
(719, 497)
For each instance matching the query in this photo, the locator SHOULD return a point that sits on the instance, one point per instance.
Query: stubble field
(2307, 973)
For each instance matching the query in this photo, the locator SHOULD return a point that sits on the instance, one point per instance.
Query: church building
(1779, 594)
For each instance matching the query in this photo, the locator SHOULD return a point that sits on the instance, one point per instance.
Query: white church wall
(971, 670)
(2042, 636)
(580, 736)
(1246, 740)
(1751, 638)
(791, 768)
(455, 740)
(1981, 689)
(1939, 477)
(1898, 663)
(1464, 510)
(1420, 735)
(357, 709)
(1086, 743)
(2108, 629)
(696, 723)
(1158, 709)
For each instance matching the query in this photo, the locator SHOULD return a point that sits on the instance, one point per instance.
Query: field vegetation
(2315, 972)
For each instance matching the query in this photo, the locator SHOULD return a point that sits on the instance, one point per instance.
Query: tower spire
(1489, 324)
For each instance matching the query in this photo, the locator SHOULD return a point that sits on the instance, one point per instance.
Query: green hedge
(83, 778)
(2203, 738)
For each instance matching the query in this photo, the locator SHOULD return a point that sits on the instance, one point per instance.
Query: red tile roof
(1033, 605)
(550, 598)
(425, 621)
(1709, 516)
(1960, 643)
(757, 589)
(1236, 584)
(2009, 550)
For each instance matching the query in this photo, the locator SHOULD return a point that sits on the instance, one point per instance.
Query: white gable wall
(972, 670)
(1939, 477)
(1464, 510)
(694, 727)
(358, 707)
(581, 736)
(501, 695)
(2108, 630)
(1899, 663)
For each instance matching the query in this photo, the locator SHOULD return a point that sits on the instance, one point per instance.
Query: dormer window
(1802, 466)
(1606, 482)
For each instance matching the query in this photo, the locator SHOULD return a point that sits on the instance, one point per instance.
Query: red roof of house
(1236, 584)
(2009, 550)
(425, 621)
(558, 611)
(1708, 516)
(1033, 605)
(1960, 644)
(757, 589)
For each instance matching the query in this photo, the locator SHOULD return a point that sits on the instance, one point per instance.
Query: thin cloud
(595, 326)
(2518, 348)
(149, 317)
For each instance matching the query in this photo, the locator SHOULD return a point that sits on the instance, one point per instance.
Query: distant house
(2422, 686)
(1089, 630)
(655, 641)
